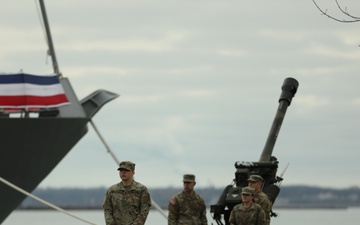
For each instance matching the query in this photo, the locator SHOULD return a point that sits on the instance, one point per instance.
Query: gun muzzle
(289, 89)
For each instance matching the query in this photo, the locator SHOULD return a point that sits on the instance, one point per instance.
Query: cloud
(167, 42)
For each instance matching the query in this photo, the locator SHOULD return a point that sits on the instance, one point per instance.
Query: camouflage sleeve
(108, 210)
(203, 214)
(267, 211)
(144, 207)
(232, 218)
(173, 208)
(266, 205)
(261, 217)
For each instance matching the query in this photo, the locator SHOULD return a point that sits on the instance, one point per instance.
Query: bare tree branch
(353, 18)
(346, 13)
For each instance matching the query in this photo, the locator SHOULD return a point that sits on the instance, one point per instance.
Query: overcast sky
(199, 82)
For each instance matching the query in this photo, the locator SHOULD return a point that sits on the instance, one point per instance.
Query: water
(286, 216)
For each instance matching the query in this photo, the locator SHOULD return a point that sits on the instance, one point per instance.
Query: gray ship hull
(30, 149)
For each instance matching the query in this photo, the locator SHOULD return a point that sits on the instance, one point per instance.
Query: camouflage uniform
(187, 209)
(262, 199)
(126, 205)
(252, 215)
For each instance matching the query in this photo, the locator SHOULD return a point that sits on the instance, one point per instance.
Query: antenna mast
(51, 50)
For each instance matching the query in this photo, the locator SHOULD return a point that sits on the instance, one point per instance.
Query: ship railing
(28, 113)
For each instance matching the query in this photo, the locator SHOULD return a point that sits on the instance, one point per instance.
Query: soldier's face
(189, 186)
(126, 174)
(255, 185)
(246, 198)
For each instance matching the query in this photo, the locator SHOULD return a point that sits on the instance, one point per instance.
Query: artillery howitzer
(265, 167)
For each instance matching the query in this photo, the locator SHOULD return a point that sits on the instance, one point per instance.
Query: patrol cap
(255, 178)
(189, 178)
(127, 165)
(248, 191)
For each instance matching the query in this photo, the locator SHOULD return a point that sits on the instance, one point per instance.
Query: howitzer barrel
(289, 89)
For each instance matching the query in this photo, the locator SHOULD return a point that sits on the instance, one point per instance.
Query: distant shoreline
(293, 197)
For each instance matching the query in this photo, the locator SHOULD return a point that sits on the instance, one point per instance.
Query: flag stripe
(28, 78)
(33, 101)
(30, 89)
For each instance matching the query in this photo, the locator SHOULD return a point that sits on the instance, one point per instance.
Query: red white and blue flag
(27, 91)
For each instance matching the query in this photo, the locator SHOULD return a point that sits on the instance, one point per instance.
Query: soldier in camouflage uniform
(187, 207)
(247, 212)
(127, 202)
(256, 181)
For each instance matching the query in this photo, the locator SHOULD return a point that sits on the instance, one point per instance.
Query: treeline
(289, 197)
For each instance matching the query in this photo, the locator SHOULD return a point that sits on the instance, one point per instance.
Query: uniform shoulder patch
(172, 201)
